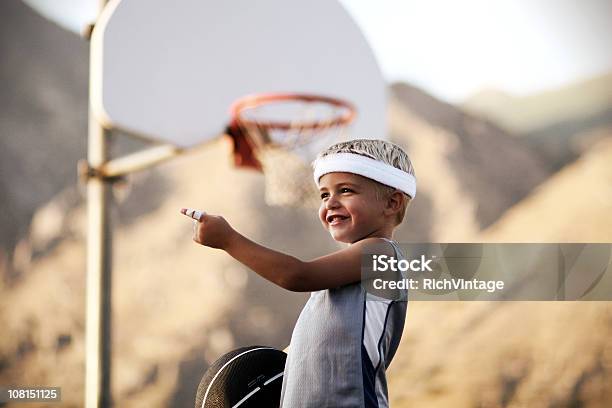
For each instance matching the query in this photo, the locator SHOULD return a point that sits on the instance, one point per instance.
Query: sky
(453, 48)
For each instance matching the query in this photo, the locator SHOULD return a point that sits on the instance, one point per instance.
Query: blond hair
(382, 151)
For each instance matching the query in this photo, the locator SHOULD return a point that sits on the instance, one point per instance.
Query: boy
(344, 339)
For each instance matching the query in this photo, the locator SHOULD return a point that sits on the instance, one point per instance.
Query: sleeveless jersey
(341, 346)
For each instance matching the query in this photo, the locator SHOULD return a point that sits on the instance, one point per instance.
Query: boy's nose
(332, 202)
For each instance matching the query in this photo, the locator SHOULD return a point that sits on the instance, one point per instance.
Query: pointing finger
(195, 214)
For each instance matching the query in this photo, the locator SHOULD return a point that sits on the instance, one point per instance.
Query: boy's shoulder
(375, 245)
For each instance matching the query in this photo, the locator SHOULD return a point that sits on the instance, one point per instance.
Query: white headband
(366, 167)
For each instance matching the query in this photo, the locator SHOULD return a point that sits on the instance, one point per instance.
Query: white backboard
(170, 70)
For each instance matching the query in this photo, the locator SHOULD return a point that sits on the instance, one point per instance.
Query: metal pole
(98, 318)
(98, 298)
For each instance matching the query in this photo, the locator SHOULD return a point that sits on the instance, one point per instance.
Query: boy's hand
(210, 230)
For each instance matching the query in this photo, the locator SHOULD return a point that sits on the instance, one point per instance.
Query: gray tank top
(341, 346)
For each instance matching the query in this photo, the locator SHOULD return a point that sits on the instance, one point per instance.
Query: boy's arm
(331, 271)
(277, 267)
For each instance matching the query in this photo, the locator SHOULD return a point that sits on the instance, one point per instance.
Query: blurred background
(506, 111)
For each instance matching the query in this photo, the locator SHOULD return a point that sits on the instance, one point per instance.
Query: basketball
(245, 377)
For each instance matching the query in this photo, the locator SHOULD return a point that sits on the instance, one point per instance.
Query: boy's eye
(346, 190)
(324, 195)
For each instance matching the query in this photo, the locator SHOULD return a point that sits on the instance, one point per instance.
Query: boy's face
(350, 208)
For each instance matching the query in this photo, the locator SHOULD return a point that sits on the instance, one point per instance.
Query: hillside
(535, 354)
(572, 206)
(525, 114)
(557, 124)
(469, 170)
(43, 122)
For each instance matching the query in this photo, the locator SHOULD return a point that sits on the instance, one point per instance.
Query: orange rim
(252, 101)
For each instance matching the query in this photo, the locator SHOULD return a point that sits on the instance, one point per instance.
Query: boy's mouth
(335, 219)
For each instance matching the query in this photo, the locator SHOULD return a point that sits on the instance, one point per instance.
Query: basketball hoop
(284, 133)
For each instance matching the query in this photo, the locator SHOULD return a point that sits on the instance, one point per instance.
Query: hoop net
(287, 132)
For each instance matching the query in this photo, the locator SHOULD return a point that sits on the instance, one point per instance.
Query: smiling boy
(344, 338)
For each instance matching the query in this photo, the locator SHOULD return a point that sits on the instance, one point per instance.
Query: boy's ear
(395, 201)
